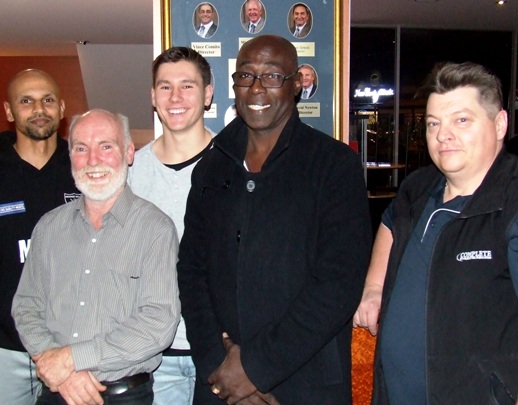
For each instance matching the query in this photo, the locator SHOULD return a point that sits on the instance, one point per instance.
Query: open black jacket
(471, 305)
(276, 259)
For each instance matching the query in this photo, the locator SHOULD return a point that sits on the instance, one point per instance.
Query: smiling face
(463, 140)
(99, 156)
(205, 13)
(307, 75)
(254, 11)
(266, 111)
(34, 105)
(300, 16)
(180, 97)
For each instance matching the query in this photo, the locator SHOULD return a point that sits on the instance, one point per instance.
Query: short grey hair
(120, 118)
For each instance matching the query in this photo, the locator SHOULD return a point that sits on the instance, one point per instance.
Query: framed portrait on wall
(218, 28)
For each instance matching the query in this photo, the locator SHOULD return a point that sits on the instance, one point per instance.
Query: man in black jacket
(276, 243)
(449, 314)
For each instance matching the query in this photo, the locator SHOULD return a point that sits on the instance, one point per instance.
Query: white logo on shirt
(475, 255)
(23, 246)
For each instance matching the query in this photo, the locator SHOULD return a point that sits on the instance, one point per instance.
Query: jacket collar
(496, 184)
(233, 139)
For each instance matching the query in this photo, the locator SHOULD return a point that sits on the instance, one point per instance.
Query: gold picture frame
(340, 97)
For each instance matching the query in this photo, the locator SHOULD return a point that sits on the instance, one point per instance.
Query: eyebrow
(44, 96)
(456, 112)
(169, 82)
(272, 63)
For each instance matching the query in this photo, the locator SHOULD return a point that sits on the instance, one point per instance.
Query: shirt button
(250, 186)
(75, 334)
(94, 240)
(82, 303)
(87, 271)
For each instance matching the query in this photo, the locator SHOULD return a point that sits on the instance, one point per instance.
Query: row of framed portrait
(205, 19)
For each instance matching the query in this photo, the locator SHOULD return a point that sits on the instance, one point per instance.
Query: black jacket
(471, 306)
(277, 259)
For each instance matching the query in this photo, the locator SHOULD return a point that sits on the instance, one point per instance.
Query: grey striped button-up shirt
(111, 294)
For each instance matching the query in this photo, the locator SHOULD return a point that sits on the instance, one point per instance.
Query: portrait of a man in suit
(299, 20)
(254, 16)
(309, 82)
(205, 20)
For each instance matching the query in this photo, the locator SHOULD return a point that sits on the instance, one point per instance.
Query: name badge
(11, 208)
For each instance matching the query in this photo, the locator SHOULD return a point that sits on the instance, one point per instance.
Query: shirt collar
(120, 209)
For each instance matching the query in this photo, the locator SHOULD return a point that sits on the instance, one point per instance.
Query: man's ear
(130, 153)
(8, 113)
(61, 109)
(297, 81)
(209, 92)
(501, 125)
(153, 97)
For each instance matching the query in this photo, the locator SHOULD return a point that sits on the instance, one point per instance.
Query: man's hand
(54, 366)
(258, 398)
(229, 381)
(367, 314)
(82, 388)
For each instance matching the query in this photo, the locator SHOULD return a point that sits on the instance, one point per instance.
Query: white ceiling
(52, 27)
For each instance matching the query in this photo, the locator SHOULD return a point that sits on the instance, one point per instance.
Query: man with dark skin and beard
(36, 177)
(275, 247)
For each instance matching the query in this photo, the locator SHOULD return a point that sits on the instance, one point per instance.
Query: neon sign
(374, 94)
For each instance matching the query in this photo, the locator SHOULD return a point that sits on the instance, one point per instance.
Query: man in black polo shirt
(36, 177)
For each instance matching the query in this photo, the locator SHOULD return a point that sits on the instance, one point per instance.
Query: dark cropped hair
(300, 5)
(205, 4)
(179, 53)
(449, 76)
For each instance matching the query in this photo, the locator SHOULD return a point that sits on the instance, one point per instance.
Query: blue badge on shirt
(17, 207)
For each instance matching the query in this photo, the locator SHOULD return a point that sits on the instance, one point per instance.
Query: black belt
(124, 384)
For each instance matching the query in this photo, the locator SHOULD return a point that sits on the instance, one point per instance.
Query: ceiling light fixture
(501, 2)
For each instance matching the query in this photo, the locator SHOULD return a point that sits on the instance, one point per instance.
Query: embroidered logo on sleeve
(475, 255)
(11, 208)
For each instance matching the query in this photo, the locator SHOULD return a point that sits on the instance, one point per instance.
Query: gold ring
(215, 390)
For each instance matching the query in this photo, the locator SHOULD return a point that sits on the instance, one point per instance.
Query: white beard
(97, 192)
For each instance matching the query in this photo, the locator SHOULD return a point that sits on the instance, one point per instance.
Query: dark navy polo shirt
(403, 337)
